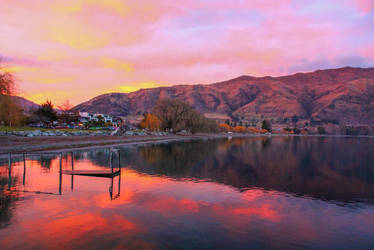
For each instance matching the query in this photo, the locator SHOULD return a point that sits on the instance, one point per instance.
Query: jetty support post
(60, 182)
(119, 183)
(119, 160)
(111, 160)
(72, 169)
(9, 170)
(111, 188)
(24, 168)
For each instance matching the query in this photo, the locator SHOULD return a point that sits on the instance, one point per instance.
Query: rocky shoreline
(35, 133)
(52, 133)
(19, 144)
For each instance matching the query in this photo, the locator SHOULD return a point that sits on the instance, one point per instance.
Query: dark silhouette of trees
(321, 130)
(45, 113)
(266, 124)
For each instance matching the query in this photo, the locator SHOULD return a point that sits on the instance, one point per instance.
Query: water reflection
(319, 167)
(6, 202)
(280, 192)
(41, 159)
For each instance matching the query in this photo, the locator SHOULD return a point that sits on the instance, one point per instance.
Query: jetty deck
(96, 173)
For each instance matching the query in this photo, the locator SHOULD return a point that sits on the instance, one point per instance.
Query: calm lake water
(279, 192)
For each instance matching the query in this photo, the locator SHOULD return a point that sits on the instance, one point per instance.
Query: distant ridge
(342, 95)
(25, 104)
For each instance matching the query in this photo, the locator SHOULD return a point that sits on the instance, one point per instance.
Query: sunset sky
(77, 49)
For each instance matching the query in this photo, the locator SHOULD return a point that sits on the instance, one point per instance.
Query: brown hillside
(345, 95)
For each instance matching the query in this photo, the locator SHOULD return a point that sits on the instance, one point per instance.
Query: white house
(86, 117)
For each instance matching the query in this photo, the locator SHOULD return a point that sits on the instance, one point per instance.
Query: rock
(37, 133)
(140, 133)
(116, 132)
(23, 133)
(182, 132)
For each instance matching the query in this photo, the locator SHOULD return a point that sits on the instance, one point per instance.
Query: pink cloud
(365, 6)
(368, 52)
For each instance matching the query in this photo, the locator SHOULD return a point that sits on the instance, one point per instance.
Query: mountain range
(343, 95)
(25, 104)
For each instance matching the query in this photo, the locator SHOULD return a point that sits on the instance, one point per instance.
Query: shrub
(296, 130)
(45, 113)
(240, 129)
(150, 122)
(321, 130)
(226, 127)
(266, 124)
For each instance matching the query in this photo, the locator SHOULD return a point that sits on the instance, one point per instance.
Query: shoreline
(18, 145)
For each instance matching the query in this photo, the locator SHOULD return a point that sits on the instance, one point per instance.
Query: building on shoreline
(86, 117)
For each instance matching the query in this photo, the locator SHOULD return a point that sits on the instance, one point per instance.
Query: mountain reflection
(320, 167)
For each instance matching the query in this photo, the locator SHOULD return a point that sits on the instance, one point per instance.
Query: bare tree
(10, 112)
(66, 106)
(178, 116)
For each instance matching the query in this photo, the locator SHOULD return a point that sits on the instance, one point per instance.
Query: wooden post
(120, 171)
(119, 184)
(111, 160)
(60, 183)
(111, 189)
(72, 169)
(119, 160)
(24, 168)
(72, 160)
(9, 170)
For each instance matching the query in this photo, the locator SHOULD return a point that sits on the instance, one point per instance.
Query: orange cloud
(116, 6)
(11, 69)
(136, 86)
(17, 69)
(76, 34)
(112, 63)
(41, 96)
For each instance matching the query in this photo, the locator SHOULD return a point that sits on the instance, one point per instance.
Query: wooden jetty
(107, 173)
(96, 173)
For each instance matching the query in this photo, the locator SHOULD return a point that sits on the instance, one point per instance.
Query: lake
(258, 192)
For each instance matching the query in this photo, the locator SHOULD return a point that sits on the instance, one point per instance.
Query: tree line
(175, 115)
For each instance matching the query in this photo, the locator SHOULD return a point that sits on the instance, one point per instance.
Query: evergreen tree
(266, 125)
